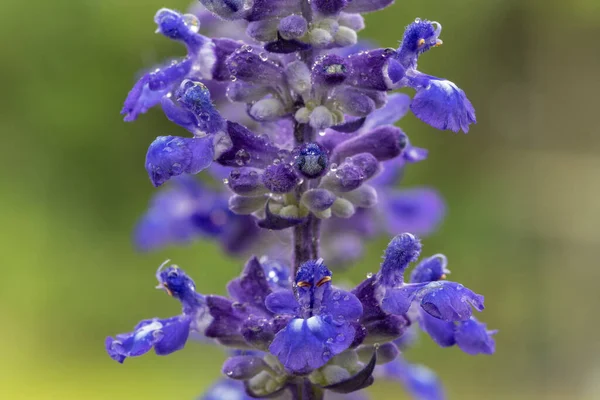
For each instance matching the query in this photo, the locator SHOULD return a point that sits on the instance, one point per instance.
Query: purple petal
(450, 301)
(307, 344)
(386, 328)
(293, 26)
(226, 389)
(400, 252)
(148, 333)
(318, 199)
(252, 286)
(180, 116)
(430, 269)
(473, 337)
(418, 380)
(282, 302)
(385, 143)
(140, 99)
(366, 292)
(180, 27)
(243, 367)
(442, 332)
(280, 178)
(367, 69)
(398, 300)
(396, 107)
(164, 78)
(246, 181)
(174, 335)
(441, 104)
(353, 101)
(194, 96)
(419, 37)
(259, 332)
(417, 210)
(248, 66)
(228, 317)
(247, 149)
(341, 305)
(223, 48)
(360, 6)
(170, 156)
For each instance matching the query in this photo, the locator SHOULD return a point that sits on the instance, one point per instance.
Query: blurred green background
(522, 188)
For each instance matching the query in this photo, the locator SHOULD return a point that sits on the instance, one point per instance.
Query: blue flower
(441, 104)
(448, 301)
(165, 335)
(419, 381)
(321, 326)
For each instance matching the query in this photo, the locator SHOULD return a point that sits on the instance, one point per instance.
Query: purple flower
(165, 335)
(293, 115)
(448, 301)
(320, 327)
(419, 381)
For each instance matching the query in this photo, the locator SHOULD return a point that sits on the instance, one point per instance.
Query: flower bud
(312, 160)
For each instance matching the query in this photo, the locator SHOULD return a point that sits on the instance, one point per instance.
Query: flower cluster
(292, 120)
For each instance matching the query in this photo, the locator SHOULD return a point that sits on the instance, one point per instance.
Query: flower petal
(252, 286)
(282, 302)
(441, 104)
(307, 344)
(398, 300)
(418, 380)
(416, 210)
(473, 338)
(442, 332)
(400, 252)
(170, 156)
(450, 301)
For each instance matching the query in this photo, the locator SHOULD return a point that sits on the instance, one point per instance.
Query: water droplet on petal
(369, 275)
(340, 338)
(225, 181)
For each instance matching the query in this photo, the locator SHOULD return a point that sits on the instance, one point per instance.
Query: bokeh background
(522, 188)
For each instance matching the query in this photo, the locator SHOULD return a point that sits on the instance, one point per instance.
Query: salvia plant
(292, 119)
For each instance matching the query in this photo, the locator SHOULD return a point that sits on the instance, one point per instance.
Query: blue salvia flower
(291, 117)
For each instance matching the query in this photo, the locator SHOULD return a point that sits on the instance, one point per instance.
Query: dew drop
(225, 181)
(336, 295)
(346, 297)
(340, 338)
(263, 56)
(330, 340)
(369, 275)
(326, 355)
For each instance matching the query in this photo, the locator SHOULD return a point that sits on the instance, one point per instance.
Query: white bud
(321, 118)
(303, 115)
(342, 208)
(353, 21)
(323, 214)
(290, 211)
(365, 196)
(320, 37)
(243, 205)
(345, 37)
(298, 77)
(267, 109)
